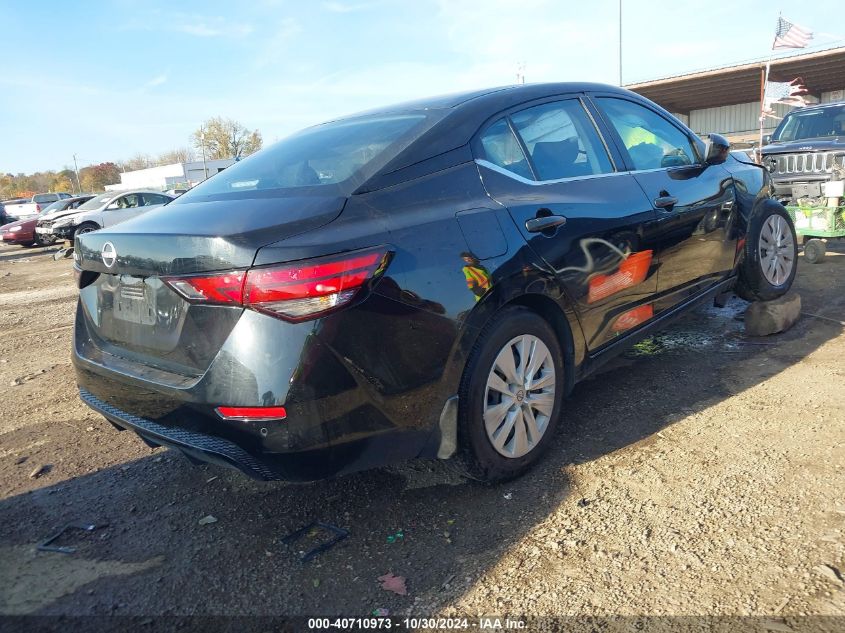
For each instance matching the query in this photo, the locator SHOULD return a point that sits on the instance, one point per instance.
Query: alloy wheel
(519, 396)
(776, 250)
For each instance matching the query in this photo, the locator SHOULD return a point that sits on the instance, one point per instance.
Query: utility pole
(620, 42)
(202, 146)
(78, 182)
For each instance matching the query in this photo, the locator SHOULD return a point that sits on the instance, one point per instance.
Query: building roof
(821, 71)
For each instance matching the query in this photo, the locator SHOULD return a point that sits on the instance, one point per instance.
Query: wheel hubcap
(777, 250)
(519, 396)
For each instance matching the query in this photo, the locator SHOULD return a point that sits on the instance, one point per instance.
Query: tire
(814, 251)
(510, 427)
(84, 228)
(40, 241)
(764, 276)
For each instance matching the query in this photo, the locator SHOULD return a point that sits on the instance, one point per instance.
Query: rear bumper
(198, 446)
(341, 417)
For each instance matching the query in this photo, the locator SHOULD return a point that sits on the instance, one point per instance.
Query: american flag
(789, 35)
(787, 92)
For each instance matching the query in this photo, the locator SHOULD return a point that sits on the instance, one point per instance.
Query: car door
(589, 221)
(694, 201)
(122, 208)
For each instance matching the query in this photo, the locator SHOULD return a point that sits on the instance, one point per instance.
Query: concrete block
(770, 317)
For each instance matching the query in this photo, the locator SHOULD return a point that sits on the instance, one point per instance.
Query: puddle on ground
(707, 328)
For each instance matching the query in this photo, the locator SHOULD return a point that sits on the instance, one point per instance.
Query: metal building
(727, 100)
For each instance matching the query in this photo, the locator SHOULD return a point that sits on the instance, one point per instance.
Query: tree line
(216, 138)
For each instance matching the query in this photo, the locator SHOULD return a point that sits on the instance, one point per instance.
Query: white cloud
(203, 29)
(492, 37)
(276, 47)
(344, 7)
(156, 81)
(190, 24)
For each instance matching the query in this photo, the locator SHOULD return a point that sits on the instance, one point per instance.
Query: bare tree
(226, 138)
(178, 155)
(138, 161)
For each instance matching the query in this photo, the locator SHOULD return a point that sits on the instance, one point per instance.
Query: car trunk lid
(131, 313)
(209, 235)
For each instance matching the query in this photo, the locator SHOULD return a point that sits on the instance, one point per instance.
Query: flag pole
(764, 81)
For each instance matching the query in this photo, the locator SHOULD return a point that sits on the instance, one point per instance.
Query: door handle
(665, 202)
(544, 223)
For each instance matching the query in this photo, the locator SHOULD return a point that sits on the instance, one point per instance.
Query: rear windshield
(821, 123)
(342, 154)
(45, 197)
(96, 202)
(56, 206)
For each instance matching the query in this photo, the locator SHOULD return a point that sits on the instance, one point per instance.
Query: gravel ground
(701, 473)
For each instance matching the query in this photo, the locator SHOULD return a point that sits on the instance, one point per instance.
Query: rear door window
(500, 147)
(129, 201)
(155, 198)
(561, 140)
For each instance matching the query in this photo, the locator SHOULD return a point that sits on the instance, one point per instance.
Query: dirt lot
(703, 473)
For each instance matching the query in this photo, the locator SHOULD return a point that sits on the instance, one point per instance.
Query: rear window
(45, 197)
(56, 206)
(96, 202)
(342, 154)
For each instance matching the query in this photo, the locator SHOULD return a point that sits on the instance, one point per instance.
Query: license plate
(135, 303)
(43, 229)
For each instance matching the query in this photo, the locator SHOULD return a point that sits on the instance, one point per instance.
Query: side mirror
(767, 139)
(112, 206)
(716, 148)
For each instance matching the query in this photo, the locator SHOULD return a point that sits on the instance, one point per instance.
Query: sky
(106, 80)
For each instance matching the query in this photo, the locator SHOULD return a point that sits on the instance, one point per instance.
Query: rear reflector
(295, 291)
(251, 413)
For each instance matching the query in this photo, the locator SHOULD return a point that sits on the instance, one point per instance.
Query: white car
(101, 211)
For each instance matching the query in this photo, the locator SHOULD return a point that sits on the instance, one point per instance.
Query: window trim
(522, 179)
(522, 146)
(506, 114)
(693, 140)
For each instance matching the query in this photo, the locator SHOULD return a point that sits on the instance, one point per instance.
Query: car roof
(819, 106)
(464, 113)
(115, 194)
(497, 98)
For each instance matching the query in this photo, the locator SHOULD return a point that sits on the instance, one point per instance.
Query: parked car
(5, 217)
(23, 231)
(101, 211)
(806, 150)
(52, 213)
(32, 208)
(427, 280)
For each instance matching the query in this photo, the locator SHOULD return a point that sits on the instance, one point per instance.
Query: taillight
(38, 207)
(225, 288)
(294, 291)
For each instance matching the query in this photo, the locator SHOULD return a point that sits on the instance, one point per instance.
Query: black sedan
(427, 280)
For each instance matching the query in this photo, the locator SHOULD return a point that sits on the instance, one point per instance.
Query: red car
(23, 231)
